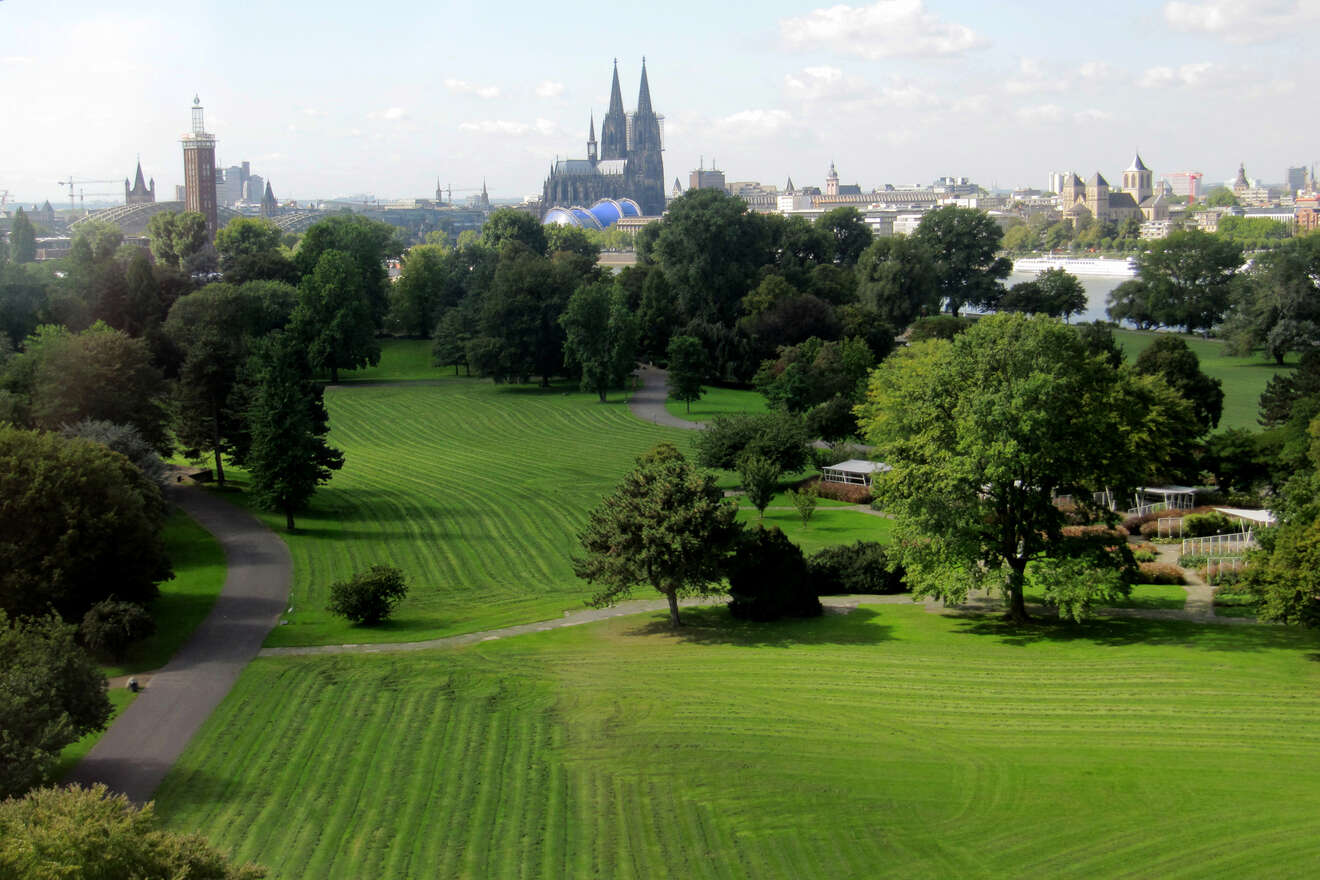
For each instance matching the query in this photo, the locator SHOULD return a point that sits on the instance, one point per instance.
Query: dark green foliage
(109, 627)
(366, 243)
(1169, 358)
(1286, 580)
(789, 320)
(1277, 305)
(288, 422)
(452, 336)
(22, 238)
(666, 525)
(417, 296)
(180, 240)
(250, 249)
(730, 356)
(768, 578)
(600, 337)
(804, 502)
(50, 695)
(90, 834)
(333, 318)
(833, 420)
(1130, 302)
(779, 437)
(370, 596)
(815, 372)
(687, 369)
(1098, 339)
(896, 278)
(1237, 460)
(657, 315)
(760, 478)
(509, 224)
(865, 567)
(938, 327)
(963, 244)
(78, 523)
(22, 301)
(847, 233)
(1187, 278)
(1054, 292)
(1199, 525)
(124, 439)
(520, 311)
(859, 322)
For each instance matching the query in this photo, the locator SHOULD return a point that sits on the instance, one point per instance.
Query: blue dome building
(602, 215)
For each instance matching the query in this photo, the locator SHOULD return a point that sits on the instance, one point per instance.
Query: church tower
(591, 139)
(269, 206)
(645, 164)
(614, 127)
(199, 170)
(832, 181)
(1138, 180)
(139, 193)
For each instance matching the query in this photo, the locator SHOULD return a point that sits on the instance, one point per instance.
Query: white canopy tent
(854, 471)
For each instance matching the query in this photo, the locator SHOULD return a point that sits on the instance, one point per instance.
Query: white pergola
(854, 471)
(1172, 497)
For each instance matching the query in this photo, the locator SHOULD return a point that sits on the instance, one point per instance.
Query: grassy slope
(888, 743)
(1244, 378)
(719, 402)
(184, 602)
(828, 526)
(1154, 596)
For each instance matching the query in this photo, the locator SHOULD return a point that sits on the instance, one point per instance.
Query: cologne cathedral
(627, 166)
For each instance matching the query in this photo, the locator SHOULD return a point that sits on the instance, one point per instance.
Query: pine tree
(288, 421)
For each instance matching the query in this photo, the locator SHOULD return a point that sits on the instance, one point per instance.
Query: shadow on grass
(1119, 632)
(715, 626)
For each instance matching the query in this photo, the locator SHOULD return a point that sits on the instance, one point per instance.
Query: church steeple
(614, 127)
(591, 140)
(643, 94)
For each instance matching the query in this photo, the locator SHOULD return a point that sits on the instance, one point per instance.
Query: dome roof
(602, 215)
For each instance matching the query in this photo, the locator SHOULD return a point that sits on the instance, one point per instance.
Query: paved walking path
(142, 744)
(1200, 595)
(648, 401)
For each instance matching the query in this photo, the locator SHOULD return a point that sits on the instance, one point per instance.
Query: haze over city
(331, 98)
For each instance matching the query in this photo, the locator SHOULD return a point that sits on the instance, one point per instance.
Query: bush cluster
(863, 567)
(369, 596)
(1199, 525)
(850, 493)
(1161, 573)
(110, 626)
(779, 437)
(768, 578)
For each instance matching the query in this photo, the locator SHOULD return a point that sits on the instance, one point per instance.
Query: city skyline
(892, 92)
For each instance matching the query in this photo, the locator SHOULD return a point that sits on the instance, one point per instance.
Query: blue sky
(332, 98)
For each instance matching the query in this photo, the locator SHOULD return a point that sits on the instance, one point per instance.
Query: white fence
(1219, 545)
(1169, 526)
(1216, 566)
(1143, 509)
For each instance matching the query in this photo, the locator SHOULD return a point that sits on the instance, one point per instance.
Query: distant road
(142, 744)
(617, 259)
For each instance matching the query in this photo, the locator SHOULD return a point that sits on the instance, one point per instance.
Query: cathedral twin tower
(628, 164)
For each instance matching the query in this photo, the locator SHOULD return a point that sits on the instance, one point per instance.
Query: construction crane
(78, 182)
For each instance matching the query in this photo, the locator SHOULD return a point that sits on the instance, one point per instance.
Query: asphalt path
(142, 744)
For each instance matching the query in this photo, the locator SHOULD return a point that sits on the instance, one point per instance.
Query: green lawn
(885, 743)
(1244, 378)
(477, 491)
(184, 602)
(828, 526)
(400, 360)
(719, 402)
(1156, 596)
(74, 751)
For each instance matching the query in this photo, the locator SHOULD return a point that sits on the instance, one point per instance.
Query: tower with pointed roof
(592, 154)
(1241, 184)
(269, 206)
(614, 127)
(199, 170)
(139, 193)
(1138, 180)
(832, 181)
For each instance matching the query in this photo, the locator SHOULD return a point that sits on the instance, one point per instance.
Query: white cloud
(504, 126)
(550, 89)
(884, 29)
(1040, 113)
(1200, 74)
(1092, 115)
(463, 87)
(1032, 77)
(313, 112)
(1094, 70)
(1244, 21)
(812, 83)
(393, 114)
(755, 122)
(971, 104)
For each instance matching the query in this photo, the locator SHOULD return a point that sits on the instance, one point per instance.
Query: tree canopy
(964, 243)
(1187, 278)
(600, 337)
(1170, 358)
(333, 317)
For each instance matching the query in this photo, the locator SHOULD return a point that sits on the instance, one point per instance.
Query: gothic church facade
(627, 165)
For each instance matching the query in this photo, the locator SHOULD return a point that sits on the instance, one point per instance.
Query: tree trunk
(215, 439)
(1017, 603)
(688, 404)
(334, 374)
(288, 518)
(674, 622)
(601, 392)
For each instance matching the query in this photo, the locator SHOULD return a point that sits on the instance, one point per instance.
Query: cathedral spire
(591, 139)
(616, 94)
(614, 127)
(643, 94)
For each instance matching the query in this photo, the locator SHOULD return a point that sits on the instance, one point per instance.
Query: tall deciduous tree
(250, 249)
(981, 433)
(687, 370)
(1278, 304)
(666, 526)
(366, 243)
(600, 337)
(417, 297)
(848, 234)
(288, 421)
(78, 523)
(333, 316)
(22, 238)
(509, 224)
(1188, 277)
(1054, 292)
(181, 241)
(1169, 358)
(51, 693)
(896, 277)
(963, 242)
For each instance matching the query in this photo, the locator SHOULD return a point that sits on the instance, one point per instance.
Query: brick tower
(199, 170)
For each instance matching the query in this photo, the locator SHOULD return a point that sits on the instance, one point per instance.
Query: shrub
(768, 578)
(780, 437)
(1144, 552)
(1198, 525)
(1193, 560)
(937, 327)
(863, 567)
(1231, 594)
(370, 596)
(110, 626)
(1150, 529)
(804, 501)
(850, 493)
(1095, 530)
(760, 479)
(1161, 573)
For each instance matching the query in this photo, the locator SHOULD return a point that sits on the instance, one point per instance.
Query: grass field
(477, 491)
(1153, 596)
(885, 743)
(401, 359)
(828, 526)
(719, 402)
(1244, 378)
(184, 602)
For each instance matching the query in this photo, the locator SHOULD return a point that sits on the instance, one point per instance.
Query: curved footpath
(142, 744)
(648, 401)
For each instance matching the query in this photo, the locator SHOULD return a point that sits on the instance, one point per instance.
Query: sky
(329, 99)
